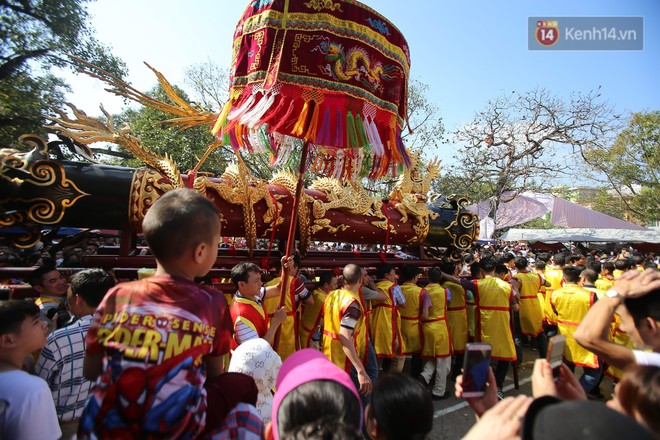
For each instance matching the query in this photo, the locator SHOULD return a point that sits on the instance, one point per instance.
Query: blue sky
(467, 52)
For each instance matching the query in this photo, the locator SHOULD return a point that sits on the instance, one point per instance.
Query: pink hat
(305, 366)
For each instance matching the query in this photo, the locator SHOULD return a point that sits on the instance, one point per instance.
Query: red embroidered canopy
(330, 72)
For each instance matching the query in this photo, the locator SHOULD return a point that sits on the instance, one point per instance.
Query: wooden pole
(291, 238)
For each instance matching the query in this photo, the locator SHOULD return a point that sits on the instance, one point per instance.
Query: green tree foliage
(35, 36)
(631, 165)
(186, 147)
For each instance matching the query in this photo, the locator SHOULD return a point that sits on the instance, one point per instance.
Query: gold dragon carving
(88, 130)
(288, 180)
(237, 187)
(410, 195)
(350, 197)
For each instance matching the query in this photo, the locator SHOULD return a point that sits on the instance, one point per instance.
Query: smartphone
(556, 353)
(475, 369)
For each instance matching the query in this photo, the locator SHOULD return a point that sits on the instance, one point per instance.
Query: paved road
(453, 417)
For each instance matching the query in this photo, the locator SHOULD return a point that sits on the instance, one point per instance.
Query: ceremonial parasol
(326, 76)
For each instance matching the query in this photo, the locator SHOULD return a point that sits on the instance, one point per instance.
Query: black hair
(402, 407)
(468, 258)
(241, 272)
(572, 274)
(408, 273)
(559, 259)
(540, 265)
(487, 265)
(325, 278)
(180, 220)
(435, 275)
(638, 259)
(508, 256)
(318, 401)
(325, 428)
(13, 313)
(92, 285)
(543, 257)
(594, 265)
(609, 266)
(646, 306)
(622, 264)
(590, 275)
(36, 277)
(521, 263)
(383, 269)
(501, 268)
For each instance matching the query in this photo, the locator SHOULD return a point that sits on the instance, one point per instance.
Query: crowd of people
(363, 355)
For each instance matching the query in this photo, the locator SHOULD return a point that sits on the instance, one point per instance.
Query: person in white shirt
(26, 407)
(61, 361)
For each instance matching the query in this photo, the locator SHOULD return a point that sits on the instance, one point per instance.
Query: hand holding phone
(475, 369)
(556, 354)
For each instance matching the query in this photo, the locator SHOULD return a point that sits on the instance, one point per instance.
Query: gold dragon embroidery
(355, 64)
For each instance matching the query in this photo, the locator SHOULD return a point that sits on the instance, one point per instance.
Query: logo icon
(547, 32)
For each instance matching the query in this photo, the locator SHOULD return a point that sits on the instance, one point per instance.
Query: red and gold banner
(333, 73)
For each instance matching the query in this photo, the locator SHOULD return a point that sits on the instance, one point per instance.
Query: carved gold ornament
(350, 197)
(410, 195)
(238, 188)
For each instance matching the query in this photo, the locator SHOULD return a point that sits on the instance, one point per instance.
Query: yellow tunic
(310, 318)
(334, 307)
(572, 303)
(384, 324)
(531, 313)
(411, 314)
(555, 277)
(437, 343)
(288, 342)
(457, 317)
(604, 284)
(620, 337)
(492, 298)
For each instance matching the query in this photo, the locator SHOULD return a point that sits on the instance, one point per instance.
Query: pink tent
(526, 206)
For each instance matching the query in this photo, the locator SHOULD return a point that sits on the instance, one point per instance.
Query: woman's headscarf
(305, 366)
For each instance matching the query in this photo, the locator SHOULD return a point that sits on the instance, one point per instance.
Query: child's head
(312, 390)
(87, 289)
(400, 408)
(21, 329)
(638, 396)
(183, 226)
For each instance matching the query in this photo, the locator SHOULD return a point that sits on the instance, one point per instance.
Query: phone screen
(556, 353)
(475, 369)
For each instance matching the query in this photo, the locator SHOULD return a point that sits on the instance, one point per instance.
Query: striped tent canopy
(330, 72)
(526, 206)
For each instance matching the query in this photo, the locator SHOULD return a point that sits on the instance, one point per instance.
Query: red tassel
(284, 118)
